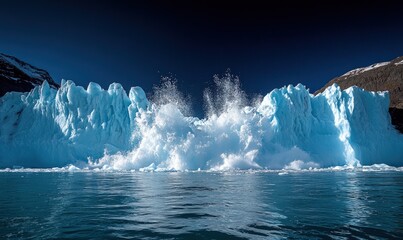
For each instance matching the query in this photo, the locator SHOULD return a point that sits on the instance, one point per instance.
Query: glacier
(109, 129)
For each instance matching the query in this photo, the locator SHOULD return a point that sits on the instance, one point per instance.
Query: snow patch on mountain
(399, 63)
(24, 67)
(365, 69)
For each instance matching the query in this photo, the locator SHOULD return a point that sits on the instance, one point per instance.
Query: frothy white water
(288, 129)
(89, 169)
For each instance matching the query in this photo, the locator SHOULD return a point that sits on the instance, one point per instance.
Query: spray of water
(226, 95)
(167, 92)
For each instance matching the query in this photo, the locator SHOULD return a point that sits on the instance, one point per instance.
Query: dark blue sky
(134, 43)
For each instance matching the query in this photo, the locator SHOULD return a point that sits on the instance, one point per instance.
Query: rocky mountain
(378, 77)
(19, 76)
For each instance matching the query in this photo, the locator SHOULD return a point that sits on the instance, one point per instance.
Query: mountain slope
(378, 77)
(19, 76)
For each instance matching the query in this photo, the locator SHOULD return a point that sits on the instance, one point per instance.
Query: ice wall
(53, 128)
(289, 128)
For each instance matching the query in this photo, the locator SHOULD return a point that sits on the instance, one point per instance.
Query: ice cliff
(289, 128)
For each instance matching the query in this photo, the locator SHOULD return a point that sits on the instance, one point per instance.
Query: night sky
(135, 43)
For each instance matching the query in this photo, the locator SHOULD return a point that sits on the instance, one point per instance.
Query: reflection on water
(357, 205)
(201, 205)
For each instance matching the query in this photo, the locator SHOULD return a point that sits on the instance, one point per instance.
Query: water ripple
(329, 205)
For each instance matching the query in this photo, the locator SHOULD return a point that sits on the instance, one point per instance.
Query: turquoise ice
(288, 128)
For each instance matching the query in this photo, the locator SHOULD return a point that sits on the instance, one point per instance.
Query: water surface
(189, 205)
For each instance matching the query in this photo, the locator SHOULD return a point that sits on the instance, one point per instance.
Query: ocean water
(201, 205)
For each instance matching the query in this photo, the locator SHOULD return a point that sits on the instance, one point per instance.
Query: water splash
(167, 92)
(226, 95)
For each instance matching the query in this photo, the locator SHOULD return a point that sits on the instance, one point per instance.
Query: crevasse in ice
(289, 128)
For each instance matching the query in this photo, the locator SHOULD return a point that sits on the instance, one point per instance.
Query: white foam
(285, 171)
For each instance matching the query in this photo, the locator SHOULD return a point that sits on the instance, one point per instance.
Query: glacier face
(289, 128)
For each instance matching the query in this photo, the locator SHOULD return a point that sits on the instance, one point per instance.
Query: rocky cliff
(19, 76)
